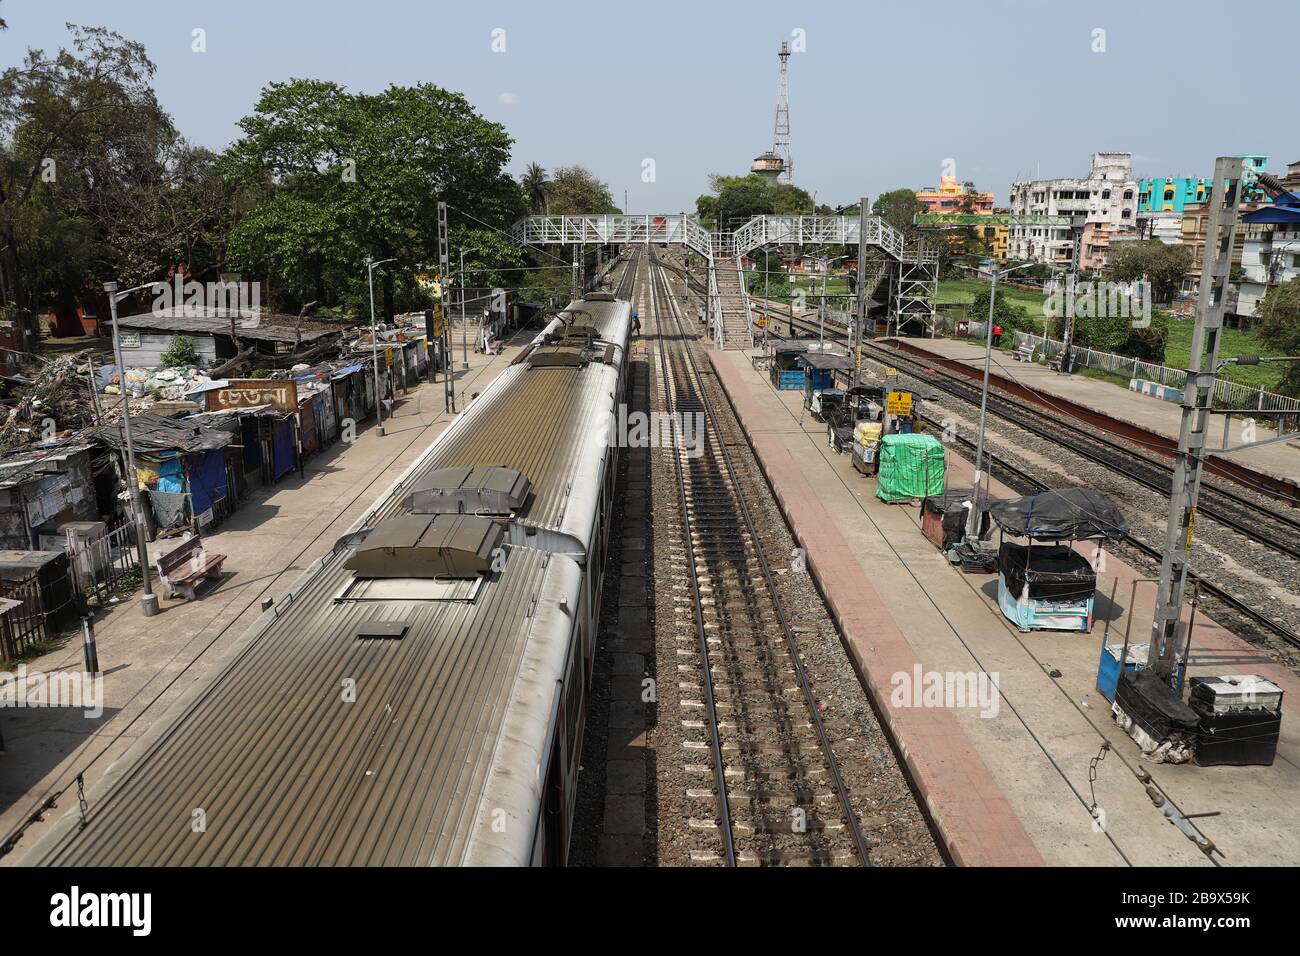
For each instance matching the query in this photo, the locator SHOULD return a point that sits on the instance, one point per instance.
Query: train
(418, 697)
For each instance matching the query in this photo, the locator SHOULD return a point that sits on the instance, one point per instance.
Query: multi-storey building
(951, 196)
(1270, 253)
(1105, 201)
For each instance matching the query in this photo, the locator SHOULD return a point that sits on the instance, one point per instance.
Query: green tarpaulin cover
(911, 466)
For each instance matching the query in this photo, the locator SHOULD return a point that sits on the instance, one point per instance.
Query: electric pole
(860, 324)
(1167, 634)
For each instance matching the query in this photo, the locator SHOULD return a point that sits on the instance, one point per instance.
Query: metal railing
(108, 566)
(1226, 393)
(611, 229)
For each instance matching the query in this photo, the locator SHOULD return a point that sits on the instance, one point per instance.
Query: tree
(575, 190)
(1165, 266)
(898, 207)
(1278, 326)
(1012, 318)
(83, 144)
(341, 176)
(536, 186)
(737, 199)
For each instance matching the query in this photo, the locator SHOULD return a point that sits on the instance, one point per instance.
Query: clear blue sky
(884, 93)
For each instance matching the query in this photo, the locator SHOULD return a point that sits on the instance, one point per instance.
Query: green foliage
(1165, 266)
(341, 176)
(180, 352)
(575, 190)
(898, 207)
(1012, 318)
(737, 199)
(536, 186)
(1278, 327)
(95, 181)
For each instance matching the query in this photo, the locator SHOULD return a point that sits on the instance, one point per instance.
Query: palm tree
(535, 185)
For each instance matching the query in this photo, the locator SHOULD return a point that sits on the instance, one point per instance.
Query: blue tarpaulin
(282, 443)
(207, 474)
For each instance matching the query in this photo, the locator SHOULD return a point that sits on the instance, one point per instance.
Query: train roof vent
(424, 546)
(599, 297)
(558, 356)
(382, 630)
(485, 490)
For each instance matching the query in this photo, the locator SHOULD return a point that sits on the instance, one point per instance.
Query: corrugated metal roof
(286, 772)
(543, 422)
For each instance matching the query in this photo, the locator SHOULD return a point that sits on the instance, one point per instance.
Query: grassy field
(962, 292)
(1233, 342)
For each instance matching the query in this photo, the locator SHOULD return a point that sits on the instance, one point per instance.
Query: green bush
(180, 352)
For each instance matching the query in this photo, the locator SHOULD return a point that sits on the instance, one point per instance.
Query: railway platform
(1280, 460)
(1006, 777)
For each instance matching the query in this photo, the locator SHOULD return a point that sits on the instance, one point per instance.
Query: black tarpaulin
(1063, 514)
(1052, 572)
(1153, 705)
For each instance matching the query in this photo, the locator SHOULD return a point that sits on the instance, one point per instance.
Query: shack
(274, 341)
(50, 482)
(182, 465)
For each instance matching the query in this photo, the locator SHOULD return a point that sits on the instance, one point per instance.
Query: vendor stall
(786, 372)
(1051, 587)
(819, 371)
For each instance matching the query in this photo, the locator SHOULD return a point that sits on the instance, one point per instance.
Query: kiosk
(1051, 586)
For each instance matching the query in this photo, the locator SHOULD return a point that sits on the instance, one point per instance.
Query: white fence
(1227, 394)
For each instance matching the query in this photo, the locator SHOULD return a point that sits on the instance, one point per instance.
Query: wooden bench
(186, 566)
(1024, 353)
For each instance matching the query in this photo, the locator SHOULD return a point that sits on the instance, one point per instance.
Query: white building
(1107, 199)
(1270, 254)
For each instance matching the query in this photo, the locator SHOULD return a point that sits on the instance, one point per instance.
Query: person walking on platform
(636, 322)
(997, 336)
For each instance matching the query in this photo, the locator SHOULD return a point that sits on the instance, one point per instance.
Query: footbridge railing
(612, 229)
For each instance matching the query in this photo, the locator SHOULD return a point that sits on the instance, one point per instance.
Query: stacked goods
(1241, 718)
(1149, 711)
(911, 467)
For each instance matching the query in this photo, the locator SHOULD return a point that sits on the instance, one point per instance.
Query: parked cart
(1052, 586)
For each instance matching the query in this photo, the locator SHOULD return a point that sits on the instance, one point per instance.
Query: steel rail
(710, 699)
(687, 336)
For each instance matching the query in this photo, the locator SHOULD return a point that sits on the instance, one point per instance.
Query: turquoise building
(1172, 194)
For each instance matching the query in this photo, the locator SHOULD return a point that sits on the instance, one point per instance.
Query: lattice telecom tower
(781, 132)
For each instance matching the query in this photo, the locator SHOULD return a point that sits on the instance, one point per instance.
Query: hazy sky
(883, 94)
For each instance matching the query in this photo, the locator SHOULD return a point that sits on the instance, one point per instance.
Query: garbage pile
(165, 384)
(55, 395)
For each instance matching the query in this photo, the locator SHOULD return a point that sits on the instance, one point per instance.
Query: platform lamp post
(374, 337)
(973, 519)
(148, 600)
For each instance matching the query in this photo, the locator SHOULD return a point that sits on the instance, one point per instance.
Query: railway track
(770, 791)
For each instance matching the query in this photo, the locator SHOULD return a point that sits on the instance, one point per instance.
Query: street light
(973, 519)
(374, 337)
(148, 600)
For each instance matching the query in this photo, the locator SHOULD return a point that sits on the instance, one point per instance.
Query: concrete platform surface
(1005, 775)
(149, 662)
(1281, 460)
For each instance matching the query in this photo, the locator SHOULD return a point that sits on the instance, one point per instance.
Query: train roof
(286, 771)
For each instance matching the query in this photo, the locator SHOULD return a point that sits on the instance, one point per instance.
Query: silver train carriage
(419, 696)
